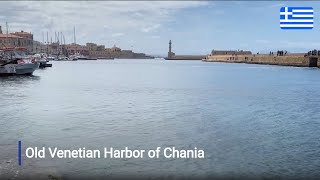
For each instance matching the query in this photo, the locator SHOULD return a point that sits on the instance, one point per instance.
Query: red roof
(14, 48)
(9, 36)
(22, 32)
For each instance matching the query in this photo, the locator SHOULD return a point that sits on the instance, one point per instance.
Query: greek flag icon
(296, 18)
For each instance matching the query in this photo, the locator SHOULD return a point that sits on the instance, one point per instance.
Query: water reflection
(18, 79)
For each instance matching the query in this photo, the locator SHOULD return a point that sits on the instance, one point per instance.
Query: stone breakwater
(299, 60)
(187, 57)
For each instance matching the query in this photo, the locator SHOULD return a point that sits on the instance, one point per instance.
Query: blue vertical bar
(19, 153)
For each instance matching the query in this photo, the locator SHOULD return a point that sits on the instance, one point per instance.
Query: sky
(195, 27)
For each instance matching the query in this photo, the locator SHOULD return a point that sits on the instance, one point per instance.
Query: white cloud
(94, 21)
(150, 28)
(117, 34)
(155, 37)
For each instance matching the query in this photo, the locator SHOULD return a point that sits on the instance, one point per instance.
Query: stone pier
(299, 60)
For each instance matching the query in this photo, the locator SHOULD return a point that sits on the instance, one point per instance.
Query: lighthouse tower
(170, 53)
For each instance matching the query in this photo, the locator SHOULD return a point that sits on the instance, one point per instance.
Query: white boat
(73, 57)
(64, 58)
(8, 69)
(16, 62)
(26, 67)
(52, 58)
(41, 58)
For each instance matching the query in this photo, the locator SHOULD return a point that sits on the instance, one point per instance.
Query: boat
(7, 70)
(42, 58)
(14, 61)
(82, 57)
(52, 58)
(64, 58)
(26, 67)
(86, 58)
(73, 57)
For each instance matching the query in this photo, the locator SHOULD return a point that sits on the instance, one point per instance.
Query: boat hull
(26, 69)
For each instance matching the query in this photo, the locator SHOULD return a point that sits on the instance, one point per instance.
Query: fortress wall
(289, 60)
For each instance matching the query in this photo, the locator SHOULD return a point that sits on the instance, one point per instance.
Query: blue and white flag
(296, 18)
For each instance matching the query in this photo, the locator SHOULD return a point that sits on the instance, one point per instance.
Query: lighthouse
(170, 53)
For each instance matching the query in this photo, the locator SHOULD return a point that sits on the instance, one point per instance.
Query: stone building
(9, 40)
(28, 38)
(77, 49)
(37, 47)
(17, 39)
(101, 48)
(92, 46)
(99, 51)
(23, 34)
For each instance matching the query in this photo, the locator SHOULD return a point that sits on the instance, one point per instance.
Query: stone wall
(230, 52)
(288, 60)
(187, 57)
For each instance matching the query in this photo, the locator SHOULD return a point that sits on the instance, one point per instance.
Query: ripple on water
(251, 120)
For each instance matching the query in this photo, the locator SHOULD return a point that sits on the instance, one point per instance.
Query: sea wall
(187, 57)
(288, 60)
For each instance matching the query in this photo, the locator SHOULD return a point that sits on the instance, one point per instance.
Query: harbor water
(250, 120)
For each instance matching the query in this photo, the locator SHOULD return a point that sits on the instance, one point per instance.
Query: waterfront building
(92, 46)
(37, 47)
(77, 49)
(99, 51)
(101, 47)
(17, 39)
(9, 40)
(27, 39)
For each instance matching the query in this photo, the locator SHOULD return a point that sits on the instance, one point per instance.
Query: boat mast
(74, 39)
(42, 43)
(47, 43)
(58, 42)
(64, 46)
(74, 35)
(7, 34)
(61, 43)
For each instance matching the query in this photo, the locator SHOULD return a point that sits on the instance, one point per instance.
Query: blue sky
(195, 27)
(241, 25)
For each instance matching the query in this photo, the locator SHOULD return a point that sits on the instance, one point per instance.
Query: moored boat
(26, 67)
(7, 70)
(13, 61)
